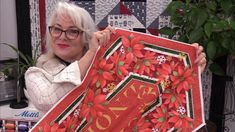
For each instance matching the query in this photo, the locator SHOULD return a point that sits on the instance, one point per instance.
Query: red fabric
(124, 10)
(137, 82)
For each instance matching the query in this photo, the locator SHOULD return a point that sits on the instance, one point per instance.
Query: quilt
(138, 82)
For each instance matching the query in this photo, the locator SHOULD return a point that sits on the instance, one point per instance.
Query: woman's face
(63, 46)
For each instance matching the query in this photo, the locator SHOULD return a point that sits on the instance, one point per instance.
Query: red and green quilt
(138, 82)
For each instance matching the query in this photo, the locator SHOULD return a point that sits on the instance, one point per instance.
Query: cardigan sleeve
(70, 74)
(45, 89)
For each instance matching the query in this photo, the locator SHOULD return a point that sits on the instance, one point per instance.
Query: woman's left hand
(201, 56)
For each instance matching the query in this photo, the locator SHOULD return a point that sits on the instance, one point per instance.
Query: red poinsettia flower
(165, 71)
(182, 78)
(173, 99)
(160, 118)
(93, 106)
(52, 127)
(181, 121)
(121, 65)
(132, 47)
(147, 63)
(70, 123)
(138, 125)
(101, 72)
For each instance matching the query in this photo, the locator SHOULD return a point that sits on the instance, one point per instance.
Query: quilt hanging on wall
(146, 16)
(138, 82)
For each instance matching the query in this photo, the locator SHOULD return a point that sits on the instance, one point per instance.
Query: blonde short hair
(80, 17)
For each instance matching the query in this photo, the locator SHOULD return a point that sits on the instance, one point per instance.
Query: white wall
(8, 28)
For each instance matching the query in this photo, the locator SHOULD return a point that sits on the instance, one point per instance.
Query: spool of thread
(23, 127)
(10, 125)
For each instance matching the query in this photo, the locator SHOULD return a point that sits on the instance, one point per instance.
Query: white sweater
(47, 85)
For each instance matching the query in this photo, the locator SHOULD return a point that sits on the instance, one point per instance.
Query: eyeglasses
(69, 33)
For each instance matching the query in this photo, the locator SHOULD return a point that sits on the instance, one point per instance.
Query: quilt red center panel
(138, 82)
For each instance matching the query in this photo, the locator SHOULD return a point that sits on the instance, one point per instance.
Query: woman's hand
(101, 38)
(201, 56)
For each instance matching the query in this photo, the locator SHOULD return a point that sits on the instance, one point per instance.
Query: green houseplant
(23, 62)
(208, 22)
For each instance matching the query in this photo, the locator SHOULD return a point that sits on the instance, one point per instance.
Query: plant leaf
(187, 2)
(195, 35)
(232, 24)
(226, 43)
(217, 69)
(173, 6)
(211, 49)
(35, 55)
(167, 31)
(20, 54)
(183, 38)
(226, 5)
(219, 26)
(208, 28)
(211, 5)
(201, 17)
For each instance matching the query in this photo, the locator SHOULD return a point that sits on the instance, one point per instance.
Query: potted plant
(208, 22)
(23, 62)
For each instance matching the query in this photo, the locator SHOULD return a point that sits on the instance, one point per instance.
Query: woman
(72, 40)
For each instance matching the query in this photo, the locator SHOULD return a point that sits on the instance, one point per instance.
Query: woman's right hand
(101, 38)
